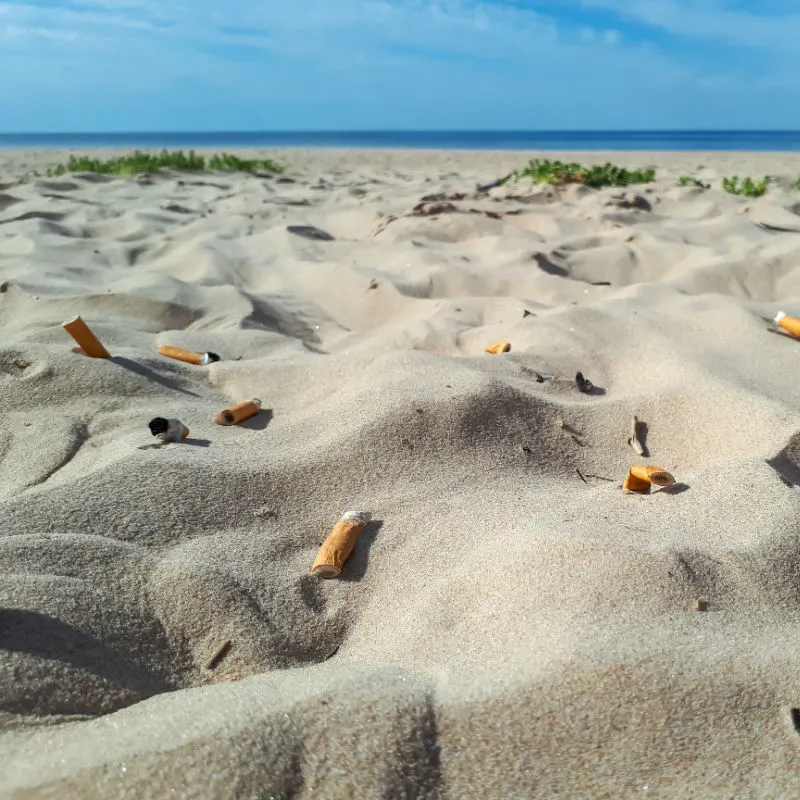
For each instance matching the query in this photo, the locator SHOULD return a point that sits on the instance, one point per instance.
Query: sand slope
(511, 625)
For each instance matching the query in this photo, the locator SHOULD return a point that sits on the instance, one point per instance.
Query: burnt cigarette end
(212, 356)
(158, 426)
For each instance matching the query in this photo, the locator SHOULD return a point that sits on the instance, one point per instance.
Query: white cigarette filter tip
(779, 316)
(357, 516)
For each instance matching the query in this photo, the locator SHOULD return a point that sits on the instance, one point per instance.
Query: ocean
(437, 140)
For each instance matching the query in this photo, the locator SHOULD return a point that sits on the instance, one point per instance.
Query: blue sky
(210, 65)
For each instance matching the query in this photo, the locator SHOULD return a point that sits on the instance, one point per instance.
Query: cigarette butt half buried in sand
(337, 547)
(83, 335)
(238, 413)
(168, 430)
(640, 479)
(179, 354)
(498, 347)
(789, 324)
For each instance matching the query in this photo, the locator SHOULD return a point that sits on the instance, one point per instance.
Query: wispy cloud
(767, 24)
(393, 63)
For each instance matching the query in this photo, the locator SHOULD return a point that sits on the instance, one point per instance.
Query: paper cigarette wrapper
(179, 354)
(83, 335)
(337, 547)
(641, 478)
(239, 413)
(498, 347)
(789, 324)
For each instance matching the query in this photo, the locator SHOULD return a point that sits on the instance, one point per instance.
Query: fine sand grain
(511, 624)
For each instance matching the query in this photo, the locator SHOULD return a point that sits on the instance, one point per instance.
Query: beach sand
(511, 624)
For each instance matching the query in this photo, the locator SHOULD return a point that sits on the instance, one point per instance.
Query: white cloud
(19, 32)
(715, 20)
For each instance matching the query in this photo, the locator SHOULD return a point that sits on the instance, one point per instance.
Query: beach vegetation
(596, 176)
(688, 180)
(747, 188)
(139, 162)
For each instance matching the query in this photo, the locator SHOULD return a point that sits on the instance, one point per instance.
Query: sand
(511, 624)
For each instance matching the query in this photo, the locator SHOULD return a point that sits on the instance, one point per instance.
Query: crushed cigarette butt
(498, 347)
(168, 430)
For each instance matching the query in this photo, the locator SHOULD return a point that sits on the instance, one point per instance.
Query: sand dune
(511, 624)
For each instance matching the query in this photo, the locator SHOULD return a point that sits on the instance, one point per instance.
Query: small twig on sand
(580, 475)
(222, 651)
(493, 185)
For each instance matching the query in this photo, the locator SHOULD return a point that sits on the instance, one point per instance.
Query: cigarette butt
(584, 384)
(634, 439)
(337, 547)
(789, 324)
(168, 430)
(179, 354)
(640, 479)
(498, 347)
(83, 335)
(239, 412)
(702, 604)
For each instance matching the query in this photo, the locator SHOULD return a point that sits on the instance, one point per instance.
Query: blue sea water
(445, 140)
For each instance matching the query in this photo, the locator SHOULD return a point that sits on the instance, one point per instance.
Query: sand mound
(510, 624)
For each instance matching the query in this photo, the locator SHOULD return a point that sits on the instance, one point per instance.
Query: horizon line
(365, 131)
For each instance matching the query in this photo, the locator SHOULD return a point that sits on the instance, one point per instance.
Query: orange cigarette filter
(498, 347)
(789, 324)
(179, 354)
(83, 335)
(640, 479)
(336, 549)
(239, 413)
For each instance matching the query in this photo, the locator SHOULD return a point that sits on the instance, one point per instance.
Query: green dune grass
(597, 176)
(139, 161)
(747, 188)
(688, 180)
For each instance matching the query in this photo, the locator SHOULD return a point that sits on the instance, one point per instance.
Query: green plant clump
(596, 176)
(747, 188)
(139, 162)
(687, 180)
(232, 163)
